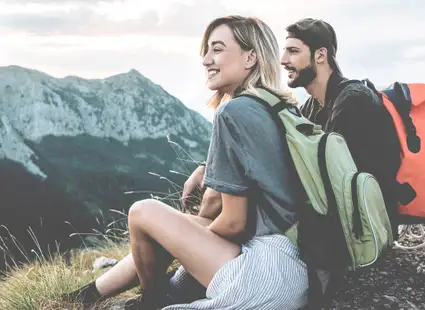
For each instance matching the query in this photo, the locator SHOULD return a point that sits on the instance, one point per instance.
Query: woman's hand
(194, 182)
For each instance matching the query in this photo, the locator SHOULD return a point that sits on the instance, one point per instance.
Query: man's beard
(304, 78)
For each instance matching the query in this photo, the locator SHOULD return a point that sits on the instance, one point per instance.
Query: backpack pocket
(364, 219)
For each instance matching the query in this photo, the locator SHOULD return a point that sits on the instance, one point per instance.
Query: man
(340, 105)
(343, 106)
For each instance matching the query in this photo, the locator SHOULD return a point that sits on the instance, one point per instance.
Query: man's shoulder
(356, 91)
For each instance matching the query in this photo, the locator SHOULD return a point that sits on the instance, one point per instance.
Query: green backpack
(344, 223)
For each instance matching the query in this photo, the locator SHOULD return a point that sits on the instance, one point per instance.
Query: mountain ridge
(71, 147)
(124, 107)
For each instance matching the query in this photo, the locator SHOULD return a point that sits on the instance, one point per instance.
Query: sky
(382, 40)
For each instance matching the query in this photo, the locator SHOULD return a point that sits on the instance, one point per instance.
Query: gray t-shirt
(247, 157)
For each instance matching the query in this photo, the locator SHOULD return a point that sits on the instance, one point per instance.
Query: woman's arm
(210, 205)
(231, 223)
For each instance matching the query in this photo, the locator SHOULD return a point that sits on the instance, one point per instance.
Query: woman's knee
(141, 211)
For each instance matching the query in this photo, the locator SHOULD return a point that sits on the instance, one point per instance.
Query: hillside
(71, 147)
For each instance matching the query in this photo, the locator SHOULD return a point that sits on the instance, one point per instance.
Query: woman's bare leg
(119, 278)
(200, 251)
(123, 276)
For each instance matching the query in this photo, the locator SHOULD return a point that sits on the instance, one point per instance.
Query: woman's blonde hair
(252, 34)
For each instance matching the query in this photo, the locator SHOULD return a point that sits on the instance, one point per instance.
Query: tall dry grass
(38, 284)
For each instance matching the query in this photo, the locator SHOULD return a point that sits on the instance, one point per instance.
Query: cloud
(191, 19)
(354, 19)
(178, 72)
(415, 52)
(178, 19)
(375, 55)
(81, 21)
(378, 39)
(55, 1)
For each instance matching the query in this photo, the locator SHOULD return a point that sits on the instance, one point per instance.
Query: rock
(392, 299)
(412, 306)
(117, 305)
(104, 262)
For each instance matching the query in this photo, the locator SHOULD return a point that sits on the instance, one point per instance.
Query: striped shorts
(268, 275)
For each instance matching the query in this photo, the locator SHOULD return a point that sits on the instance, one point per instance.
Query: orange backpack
(406, 104)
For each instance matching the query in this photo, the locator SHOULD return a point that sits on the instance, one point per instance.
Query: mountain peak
(125, 107)
(134, 72)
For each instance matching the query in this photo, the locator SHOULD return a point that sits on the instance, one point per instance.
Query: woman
(240, 257)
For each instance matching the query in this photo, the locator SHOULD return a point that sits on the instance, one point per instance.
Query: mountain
(70, 147)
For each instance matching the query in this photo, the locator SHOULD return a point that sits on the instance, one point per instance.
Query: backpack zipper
(371, 226)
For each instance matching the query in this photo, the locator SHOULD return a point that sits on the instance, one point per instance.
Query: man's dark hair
(316, 33)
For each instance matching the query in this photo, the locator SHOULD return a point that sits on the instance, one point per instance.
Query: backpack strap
(274, 104)
(317, 299)
(399, 95)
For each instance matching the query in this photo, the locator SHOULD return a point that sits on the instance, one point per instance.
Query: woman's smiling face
(226, 64)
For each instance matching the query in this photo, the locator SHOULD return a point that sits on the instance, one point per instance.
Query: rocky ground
(396, 282)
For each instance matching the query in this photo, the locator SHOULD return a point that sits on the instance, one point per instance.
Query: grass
(38, 284)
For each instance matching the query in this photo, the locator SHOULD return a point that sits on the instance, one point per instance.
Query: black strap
(330, 195)
(357, 221)
(399, 95)
(337, 239)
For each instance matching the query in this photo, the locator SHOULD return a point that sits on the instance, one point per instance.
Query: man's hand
(194, 182)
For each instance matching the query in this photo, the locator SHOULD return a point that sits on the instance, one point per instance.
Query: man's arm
(210, 204)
